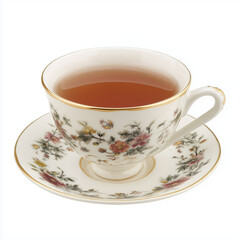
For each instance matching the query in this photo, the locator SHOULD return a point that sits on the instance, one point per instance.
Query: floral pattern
(48, 177)
(175, 183)
(134, 139)
(50, 145)
(189, 157)
(51, 137)
(106, 124)
(119, 147)
(139, 140)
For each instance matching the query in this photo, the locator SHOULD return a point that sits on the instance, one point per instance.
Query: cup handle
(219, 98)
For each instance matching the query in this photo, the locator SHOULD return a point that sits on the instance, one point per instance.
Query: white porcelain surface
(117, 137)
(50, 162)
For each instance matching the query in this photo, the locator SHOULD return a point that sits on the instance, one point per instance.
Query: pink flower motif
(196, 159)
(51, 137)
(119, 147)
(60, 129)
(139, 140)
(175, 183)
(70, 149)
(52, 179)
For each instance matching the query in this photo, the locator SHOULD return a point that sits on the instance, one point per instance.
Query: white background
(202, 34)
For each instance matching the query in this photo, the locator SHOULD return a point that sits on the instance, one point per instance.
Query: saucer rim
(113, 201)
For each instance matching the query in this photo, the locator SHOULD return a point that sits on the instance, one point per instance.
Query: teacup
(117, 141)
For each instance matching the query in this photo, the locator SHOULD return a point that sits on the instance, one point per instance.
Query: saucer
(45, 158)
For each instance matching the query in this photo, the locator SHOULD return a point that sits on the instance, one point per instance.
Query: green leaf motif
(84, 137)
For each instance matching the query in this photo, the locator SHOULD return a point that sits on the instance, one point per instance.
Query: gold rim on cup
(106, 109)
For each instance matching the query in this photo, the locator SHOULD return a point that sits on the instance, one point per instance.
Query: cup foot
(117, 174)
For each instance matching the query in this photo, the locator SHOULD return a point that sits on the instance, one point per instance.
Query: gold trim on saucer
(116, 201)
(106, 109)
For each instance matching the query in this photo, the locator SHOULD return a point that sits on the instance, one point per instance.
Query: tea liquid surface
(116, 88)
